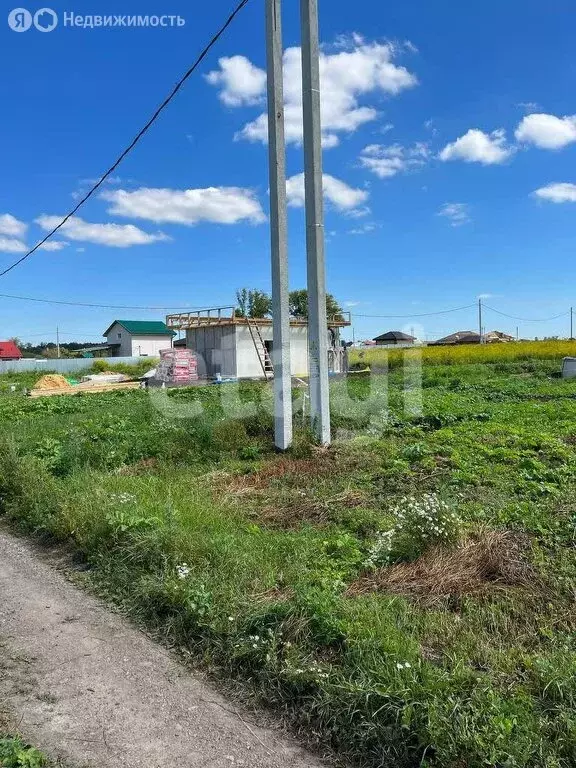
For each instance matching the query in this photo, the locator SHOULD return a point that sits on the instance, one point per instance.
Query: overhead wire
(421, 314)
(99, 306)
(137, 138)
(526, 319)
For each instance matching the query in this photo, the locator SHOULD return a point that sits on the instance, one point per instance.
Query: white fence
(64, 365)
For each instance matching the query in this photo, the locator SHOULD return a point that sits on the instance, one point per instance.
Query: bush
(419, 524)
(99, 366)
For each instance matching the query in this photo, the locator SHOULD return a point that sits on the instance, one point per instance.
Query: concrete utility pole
(57, 342)
(278, 229)
(317, 321)
(571, 322)
(480, 321)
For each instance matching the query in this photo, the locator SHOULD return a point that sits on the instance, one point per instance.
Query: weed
(15, 753)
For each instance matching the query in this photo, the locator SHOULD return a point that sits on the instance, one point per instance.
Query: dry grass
(300, 509)
(286, 469)
(490, 560)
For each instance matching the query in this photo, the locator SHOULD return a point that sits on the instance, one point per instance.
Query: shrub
(419, 524)
(99, 366)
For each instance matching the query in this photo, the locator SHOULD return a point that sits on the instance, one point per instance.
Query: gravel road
(86, 686)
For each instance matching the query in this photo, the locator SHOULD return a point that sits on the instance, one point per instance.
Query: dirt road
(86, 686)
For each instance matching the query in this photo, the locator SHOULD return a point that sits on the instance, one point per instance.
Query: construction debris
(104, 378)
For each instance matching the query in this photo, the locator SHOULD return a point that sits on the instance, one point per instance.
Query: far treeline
(254, 303)
(49, 349)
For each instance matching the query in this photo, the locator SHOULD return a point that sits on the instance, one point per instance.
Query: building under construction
(241, 348)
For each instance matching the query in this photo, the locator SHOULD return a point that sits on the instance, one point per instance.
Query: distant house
(460, 337)
(392, 338)
(9, 351)
(497, 336)
(131, 338)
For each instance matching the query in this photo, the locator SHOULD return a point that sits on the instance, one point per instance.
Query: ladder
(261, 350)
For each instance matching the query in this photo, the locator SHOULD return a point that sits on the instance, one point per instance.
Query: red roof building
(9, 351)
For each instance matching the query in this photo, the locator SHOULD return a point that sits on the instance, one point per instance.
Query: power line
(138, 136)
(98, 306)
(527, 319)
(422, 314)
(62, 333)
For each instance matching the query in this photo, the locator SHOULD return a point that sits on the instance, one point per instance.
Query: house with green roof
(134, 338)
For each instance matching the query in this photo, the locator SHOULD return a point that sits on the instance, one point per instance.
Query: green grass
(245, 558)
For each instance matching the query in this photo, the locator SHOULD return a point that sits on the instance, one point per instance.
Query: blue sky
(450, 156)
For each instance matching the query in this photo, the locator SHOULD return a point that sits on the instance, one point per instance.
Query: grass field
(468, 353)
(405, 598)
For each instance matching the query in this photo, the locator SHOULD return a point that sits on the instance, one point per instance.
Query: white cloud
(11, 226)
(456, 213)
(221, 205)
(361, 68)
(560, 192)
(365, 229)
(11, 245)
(479, 147)
(529, 106)
(85, 184)
(343, 197)
(387, 161)
(547, 131)
(53, 245)
(239, 80)
(114, 235)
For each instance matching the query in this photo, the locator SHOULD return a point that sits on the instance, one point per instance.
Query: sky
(449, 138)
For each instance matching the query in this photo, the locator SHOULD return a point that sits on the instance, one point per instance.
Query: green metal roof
(143, 327)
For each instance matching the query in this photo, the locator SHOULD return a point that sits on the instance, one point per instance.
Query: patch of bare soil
(490, 561)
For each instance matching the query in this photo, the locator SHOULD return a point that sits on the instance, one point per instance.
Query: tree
(253, 303)
(298, 303)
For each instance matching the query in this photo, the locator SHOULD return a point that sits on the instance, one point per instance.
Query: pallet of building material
(177, 366)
